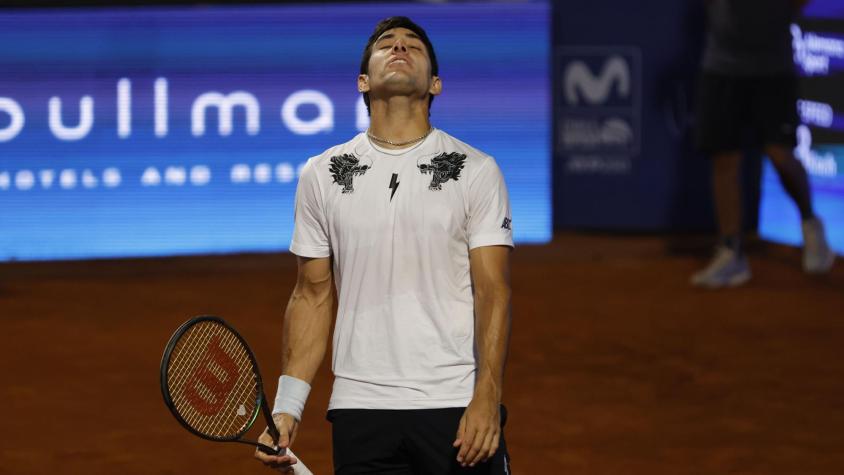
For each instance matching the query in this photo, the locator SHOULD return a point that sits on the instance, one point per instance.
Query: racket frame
(262, 405)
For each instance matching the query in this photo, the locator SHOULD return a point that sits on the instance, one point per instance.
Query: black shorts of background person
(734, 111)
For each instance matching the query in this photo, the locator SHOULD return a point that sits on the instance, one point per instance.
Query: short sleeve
(490, 222)
(310, 231)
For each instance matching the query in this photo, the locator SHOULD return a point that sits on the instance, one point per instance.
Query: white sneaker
(817, 255)
(727, 269)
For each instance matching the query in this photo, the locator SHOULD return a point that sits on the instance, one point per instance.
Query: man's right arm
(307, 322)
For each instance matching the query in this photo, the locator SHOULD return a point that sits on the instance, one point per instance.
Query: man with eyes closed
(414, 228)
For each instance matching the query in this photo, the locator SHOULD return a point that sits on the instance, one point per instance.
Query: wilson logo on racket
(211, 383)
(212, 380)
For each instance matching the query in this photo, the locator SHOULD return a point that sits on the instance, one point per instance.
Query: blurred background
(149, 155)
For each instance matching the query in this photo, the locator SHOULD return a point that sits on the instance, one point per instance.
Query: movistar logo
(581, 85)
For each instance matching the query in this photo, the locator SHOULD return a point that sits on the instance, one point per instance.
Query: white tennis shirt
(400, 224)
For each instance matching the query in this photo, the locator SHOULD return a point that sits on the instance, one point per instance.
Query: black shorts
(735, 111)
(405, 442)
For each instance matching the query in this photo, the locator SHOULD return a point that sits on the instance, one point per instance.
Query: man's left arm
(480, 427)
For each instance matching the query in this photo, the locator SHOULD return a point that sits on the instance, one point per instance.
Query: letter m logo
(581, 85)
(599, 76)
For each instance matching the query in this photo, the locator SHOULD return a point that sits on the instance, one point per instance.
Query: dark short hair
(389, 24)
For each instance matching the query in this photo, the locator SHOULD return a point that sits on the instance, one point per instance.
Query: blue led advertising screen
(182, 130)
(818, 41)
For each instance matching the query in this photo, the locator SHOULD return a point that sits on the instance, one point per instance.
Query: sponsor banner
(819, 58)
(176, 130)
(623, 96)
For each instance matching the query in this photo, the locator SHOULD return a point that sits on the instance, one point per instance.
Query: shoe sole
(823, 268)
(734, 281)
(739, 279)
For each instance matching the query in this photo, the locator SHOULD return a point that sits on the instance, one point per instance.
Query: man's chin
(398, 86)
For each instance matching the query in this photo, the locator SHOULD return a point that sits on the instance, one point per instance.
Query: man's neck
(398, 119)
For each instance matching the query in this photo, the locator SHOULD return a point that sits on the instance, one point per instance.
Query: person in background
(748, 85)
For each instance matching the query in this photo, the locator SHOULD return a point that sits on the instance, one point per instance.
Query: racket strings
(246, 407)
(204, 392)
(182, 362)
(183, 365)
(212, 381)
(208, 392)
(219, 426)
(244, 385)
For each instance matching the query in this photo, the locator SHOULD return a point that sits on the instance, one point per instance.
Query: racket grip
(271, 451)
(298, 469)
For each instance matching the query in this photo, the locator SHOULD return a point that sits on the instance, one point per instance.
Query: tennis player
(414, 227)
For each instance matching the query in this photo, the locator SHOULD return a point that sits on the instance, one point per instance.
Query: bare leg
(793, 178)
(726, 187)
(729, 266)
(818, 257)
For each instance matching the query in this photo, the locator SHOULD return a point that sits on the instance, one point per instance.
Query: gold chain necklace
(398, 144)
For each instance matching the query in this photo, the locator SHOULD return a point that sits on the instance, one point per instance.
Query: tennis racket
(211, 383)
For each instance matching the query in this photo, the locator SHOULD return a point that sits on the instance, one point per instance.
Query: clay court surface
(616, 365)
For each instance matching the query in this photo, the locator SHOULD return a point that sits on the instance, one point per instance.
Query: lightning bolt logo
(394, 185)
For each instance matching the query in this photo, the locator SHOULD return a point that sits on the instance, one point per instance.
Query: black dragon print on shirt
(344, 168)
(443, 167)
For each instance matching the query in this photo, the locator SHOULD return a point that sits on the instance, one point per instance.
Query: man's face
(399, 65)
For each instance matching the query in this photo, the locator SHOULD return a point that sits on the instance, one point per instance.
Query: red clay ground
(616, 365)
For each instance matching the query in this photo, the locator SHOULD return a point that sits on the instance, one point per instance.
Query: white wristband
(291, 396)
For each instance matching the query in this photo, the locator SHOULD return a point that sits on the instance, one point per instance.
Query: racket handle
(298, 469)
(271, 451)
